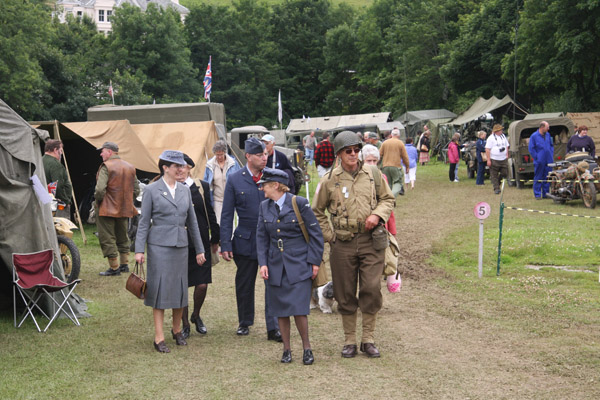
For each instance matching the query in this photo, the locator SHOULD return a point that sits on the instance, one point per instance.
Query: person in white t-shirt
(496, 150)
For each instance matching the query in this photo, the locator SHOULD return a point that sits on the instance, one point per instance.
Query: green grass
(448, 334)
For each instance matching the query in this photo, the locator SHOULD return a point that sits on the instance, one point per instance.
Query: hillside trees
(559, 55)
(24, 36)
(151, 46)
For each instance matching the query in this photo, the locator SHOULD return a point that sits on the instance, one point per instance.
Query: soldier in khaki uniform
(357, 200)
(116, 187)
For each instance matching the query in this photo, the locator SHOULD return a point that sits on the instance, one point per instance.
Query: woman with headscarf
(166, 218)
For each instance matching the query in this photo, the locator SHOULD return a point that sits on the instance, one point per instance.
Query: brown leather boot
(370, 350)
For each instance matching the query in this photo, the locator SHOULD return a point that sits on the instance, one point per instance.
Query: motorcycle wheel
(554, 186)
(69, 255)
(589, 195)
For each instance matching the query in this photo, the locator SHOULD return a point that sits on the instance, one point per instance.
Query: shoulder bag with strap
(321, 278)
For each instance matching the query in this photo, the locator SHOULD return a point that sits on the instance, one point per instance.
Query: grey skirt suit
(282, 248)
(163, 229)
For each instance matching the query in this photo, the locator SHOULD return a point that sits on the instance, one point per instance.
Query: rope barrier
(551, 213)
(551, 180)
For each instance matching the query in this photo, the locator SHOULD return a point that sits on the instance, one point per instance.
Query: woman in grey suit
(287, 262)
(167, 211)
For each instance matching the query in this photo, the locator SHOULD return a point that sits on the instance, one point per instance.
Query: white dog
(323, 298)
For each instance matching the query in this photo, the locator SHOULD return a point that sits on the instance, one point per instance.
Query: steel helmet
(345, 139)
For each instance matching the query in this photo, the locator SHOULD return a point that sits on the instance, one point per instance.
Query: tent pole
(57, 136)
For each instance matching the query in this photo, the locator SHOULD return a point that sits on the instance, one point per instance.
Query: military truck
(520, 162)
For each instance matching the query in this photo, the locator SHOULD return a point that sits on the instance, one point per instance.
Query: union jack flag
(208, 80)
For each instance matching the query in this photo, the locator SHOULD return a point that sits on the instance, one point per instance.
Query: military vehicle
(520, 162)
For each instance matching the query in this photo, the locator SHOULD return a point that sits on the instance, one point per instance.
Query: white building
(101, 10)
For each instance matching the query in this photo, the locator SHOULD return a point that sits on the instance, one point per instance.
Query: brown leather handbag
(136, 283)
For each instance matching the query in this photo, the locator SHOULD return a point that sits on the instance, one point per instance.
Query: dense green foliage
(327, 57)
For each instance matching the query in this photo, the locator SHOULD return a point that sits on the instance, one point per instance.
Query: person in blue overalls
(480, 149)
(541, 149)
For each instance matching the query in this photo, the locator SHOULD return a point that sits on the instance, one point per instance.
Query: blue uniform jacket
(480, 148)
(541, 148)
(241, 196)
(277, 232)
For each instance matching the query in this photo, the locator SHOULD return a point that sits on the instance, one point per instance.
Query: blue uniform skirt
(289, 299)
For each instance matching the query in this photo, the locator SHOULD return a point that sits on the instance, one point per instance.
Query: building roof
(413, 117)
(336, 122)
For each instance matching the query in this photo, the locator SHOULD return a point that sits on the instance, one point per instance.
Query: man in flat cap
(116, 187)
(242, 196)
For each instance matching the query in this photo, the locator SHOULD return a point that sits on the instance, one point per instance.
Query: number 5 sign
(482, 210)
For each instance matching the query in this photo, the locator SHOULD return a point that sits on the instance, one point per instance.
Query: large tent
(27, 225)
(415, 121)
(196, 139)
(139, 145)
(494, 106)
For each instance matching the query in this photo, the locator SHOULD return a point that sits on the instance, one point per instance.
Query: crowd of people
(249, 214)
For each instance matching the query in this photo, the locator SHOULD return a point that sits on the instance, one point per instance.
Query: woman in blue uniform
(287, 262)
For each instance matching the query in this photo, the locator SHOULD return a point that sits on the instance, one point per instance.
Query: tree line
(394, 55)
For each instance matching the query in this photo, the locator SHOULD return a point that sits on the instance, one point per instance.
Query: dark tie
(277, 208)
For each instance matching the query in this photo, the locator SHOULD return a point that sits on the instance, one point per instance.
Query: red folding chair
(32, 272)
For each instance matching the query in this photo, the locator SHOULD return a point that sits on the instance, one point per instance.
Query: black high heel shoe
(286, 358)
(200, 327)
(308, 357)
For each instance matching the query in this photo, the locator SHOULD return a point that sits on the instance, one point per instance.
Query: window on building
(108, 15)
(79, 13)
(100, 15)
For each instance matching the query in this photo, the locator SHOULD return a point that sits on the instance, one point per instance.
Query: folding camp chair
(32, 272)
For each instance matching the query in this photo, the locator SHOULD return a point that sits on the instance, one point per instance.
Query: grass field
(526, 333)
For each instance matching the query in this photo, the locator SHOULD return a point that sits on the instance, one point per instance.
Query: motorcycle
(571, 179)
(69, 253)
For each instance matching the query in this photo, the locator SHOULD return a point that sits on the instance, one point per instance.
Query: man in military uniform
(116, 187)
(357, 200)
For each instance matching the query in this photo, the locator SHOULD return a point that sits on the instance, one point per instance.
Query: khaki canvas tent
(27, 225)
(196, 139)
(492, 105)
(139, 145)
(416, 120)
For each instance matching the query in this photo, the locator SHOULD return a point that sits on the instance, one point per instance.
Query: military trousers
(353, 263)
(112, 234)
(395, 177)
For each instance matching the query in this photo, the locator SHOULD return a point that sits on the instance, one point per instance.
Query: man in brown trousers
(116, 187)
(357, 200)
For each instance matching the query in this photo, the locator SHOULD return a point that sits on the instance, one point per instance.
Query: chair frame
(39, 290)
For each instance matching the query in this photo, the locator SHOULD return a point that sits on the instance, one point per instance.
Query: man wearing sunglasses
(357, 200)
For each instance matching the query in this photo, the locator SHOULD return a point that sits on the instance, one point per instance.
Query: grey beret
(173, 156)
